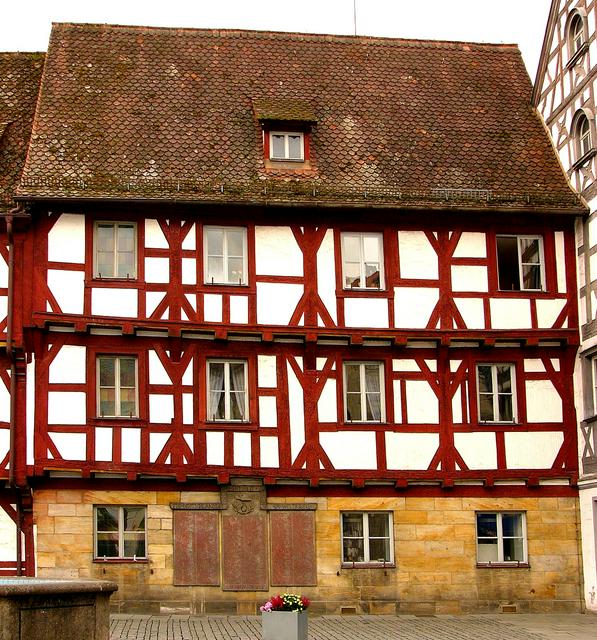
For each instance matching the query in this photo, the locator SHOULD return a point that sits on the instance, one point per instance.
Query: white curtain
(216, 386)
(373, 393)
(237, 388)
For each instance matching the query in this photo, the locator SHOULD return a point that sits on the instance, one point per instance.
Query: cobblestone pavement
(477, 627)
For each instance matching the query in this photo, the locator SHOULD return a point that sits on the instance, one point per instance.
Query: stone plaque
(196, 555)
(293, 558)
(244, 557)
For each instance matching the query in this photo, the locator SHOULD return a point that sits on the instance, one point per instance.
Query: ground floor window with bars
(120, 532)
(367, 537)
(501, 538)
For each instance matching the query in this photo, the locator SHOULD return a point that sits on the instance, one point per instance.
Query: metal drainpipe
(13, 384)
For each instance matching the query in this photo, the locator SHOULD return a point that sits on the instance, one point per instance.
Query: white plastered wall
(277, 253)
(66, 240)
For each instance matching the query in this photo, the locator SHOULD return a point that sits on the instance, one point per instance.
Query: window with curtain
(363, 392)
(227, 390)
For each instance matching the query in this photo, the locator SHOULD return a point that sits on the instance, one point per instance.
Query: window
(362, 260)
(363, 392)
(227, 390)
(582, 135)
(495, 388)
(367, 537)
(225, 255)
(286, 145)
(520, 263)
(115, 250)
(119, 532)
(576, 34)
(501, 537)
(117, 387)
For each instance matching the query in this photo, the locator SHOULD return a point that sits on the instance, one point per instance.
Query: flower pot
(284, 625)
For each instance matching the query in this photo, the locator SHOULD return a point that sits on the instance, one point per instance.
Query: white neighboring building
(564, 94)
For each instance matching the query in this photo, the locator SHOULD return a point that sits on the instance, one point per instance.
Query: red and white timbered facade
(421, 333)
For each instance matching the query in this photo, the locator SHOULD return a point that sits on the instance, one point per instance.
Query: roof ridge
(292, 35)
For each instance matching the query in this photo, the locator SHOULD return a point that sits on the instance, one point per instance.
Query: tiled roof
(137, 112)
(19, 85)
(283, 109)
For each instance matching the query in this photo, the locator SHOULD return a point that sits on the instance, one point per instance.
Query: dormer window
(286, 145)
(286, 124)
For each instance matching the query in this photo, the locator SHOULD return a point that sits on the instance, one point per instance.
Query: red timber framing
(309, 353)
(183, 450)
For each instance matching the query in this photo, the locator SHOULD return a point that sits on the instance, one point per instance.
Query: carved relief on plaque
(243, 499)
(243, 506)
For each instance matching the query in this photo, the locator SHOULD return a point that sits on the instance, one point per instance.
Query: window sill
(121, 560)
(584, 47)
(368, 565)
(97, 278)
(363, 293)
(503, 565)
(583, 159)
(226, 284)
(112, 419)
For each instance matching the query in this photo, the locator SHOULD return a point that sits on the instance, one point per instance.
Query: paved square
(475, 627)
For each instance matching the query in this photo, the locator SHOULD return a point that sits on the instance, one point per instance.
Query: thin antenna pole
(354, 8)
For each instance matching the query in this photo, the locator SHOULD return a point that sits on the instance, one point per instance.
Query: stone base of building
(435, 568)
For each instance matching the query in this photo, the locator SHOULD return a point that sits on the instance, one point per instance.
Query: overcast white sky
(25, 24)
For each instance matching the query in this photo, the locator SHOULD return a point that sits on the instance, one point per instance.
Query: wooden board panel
(196, 548)
(293, 558)
(244, 557)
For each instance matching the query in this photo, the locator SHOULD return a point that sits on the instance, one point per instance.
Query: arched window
(583, 129)
(577, 33)
(583, 133)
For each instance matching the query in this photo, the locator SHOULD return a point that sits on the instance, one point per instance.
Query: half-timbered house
(19, 86)
(299, 313)
(564, 93)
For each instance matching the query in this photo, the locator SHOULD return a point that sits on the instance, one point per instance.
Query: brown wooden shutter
(244, 544)
(196, 548)
(293, 558)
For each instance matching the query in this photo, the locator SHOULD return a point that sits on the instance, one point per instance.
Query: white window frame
(495, 393)
(227, 362)
(583, 139)
(362, 275)
(115, 226)
(209, 280)
(500, 537)
(363, 391)
(121, 532)
(593, 361)
(520, 265)
(116, 358)
(286, 157)
(576, 36)
(366, 538)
